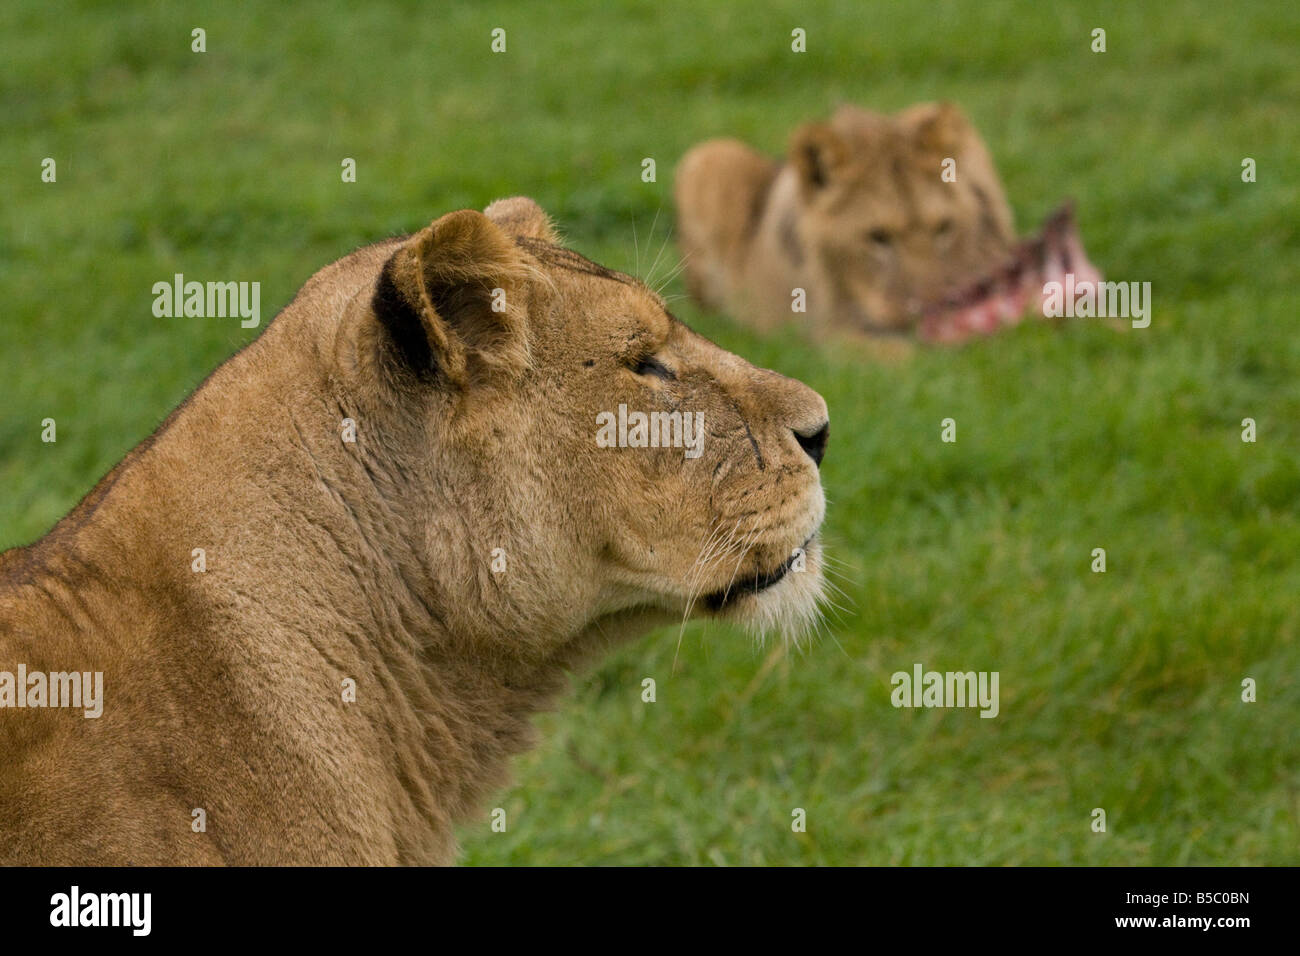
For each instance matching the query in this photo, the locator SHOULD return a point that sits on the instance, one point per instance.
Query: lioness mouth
(755, 583)
(1014, 290)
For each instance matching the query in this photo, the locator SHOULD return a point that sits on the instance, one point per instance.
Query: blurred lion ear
(520, 216)
(817, 152)
(939, 128)
(452, 301)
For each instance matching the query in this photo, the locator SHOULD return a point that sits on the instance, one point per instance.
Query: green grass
(1119, 690)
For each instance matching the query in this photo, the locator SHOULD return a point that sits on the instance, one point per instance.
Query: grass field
(1119, 690)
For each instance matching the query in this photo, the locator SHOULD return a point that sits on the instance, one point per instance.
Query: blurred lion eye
(651, 366)
(944, 228)
(881, 237)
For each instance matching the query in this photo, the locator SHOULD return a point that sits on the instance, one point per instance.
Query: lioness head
(582, 455)
(889, 230)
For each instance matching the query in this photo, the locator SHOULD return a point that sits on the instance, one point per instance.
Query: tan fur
(857, 216)
(372, 560)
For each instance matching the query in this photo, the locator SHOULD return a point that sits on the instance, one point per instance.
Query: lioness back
(724, 183)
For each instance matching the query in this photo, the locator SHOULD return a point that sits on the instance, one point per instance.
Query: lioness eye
(651, 366)
(943, 228)
(881, 237)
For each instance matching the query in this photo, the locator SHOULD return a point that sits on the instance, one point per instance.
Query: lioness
(874, 223)
(408, 534)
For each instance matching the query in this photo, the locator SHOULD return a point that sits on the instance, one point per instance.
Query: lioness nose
(814, 442)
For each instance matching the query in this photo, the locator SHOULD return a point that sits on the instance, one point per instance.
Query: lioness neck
(276, 650)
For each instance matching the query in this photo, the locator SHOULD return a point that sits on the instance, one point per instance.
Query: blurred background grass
(1119, 690)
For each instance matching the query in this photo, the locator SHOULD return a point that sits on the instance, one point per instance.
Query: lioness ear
(939, 128)
(520, 216)
(817, 151)
(451, 300)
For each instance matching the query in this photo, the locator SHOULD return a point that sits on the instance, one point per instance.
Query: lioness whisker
(693, 576)
(672, 274)
(649, 279)
(649, 236)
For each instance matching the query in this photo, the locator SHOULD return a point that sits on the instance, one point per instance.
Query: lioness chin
(396, 488)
